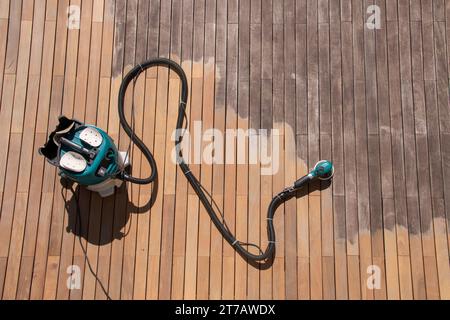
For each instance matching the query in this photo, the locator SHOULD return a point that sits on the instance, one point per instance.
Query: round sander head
(324, 170)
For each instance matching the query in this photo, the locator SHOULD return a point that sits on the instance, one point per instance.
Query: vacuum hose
(323, 169)
(135, 72)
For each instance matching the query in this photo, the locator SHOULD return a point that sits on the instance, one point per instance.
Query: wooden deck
(376, 102)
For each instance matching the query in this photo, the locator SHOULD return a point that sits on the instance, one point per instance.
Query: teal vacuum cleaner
(86, 155)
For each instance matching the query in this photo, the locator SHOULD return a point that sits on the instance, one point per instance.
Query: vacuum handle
(302, 181)
(69, 144)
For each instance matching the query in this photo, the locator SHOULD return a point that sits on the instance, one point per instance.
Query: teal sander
(86, 155)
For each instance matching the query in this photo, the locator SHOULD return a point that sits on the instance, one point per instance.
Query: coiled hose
(220, 224)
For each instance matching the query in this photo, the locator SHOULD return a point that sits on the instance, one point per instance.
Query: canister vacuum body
(86, 155)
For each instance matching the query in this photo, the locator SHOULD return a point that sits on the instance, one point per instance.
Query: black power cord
(198, 188)
(80, 228)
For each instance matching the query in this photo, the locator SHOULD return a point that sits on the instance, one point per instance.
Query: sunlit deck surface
(375, 102)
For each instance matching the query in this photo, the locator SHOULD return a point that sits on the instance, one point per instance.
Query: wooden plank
(241, 273)
(5, 121)
(31, 224)
(12, 52)
(446, 171)
(365, 123)
(51, 282)
(204, 232)
(218, 171)
(390, 242)
(432, 282)
(69, 62)
(4, 6)
(384, 110)
(445, 156)
(166, 247)
(140, 198)
(404, 267)
(32, 280)
(120, 201)
(397, 158)
(27, 10)
(441, 248)
(300, 11)
(278, 180)
(354, 287)
(434, 152)
(15, 98)
(182, 184)
(439, 10)
(241, 264)
(410, 154)
(328, 266)
(374, 223)
(290, 218)
(323, 11)
(192, 235)
(350, 161)
(241, 191)
(313, 151)
(97, 11)
(145, 196)
(3, 42)
(13, 213)
(76, 240)
(3, 270)
(254, 173)
(339, 225)
(205, 260)
(433, 139)
(303, 223)
(108, 39)
(93, 226)
(386, 164)
(116, 66)
(429, 251)
(22, 78)
(12, 268)
(104, 252)
(133, 97)
(415, 12)
(40, 259)
(346, 10)
(230, 176)
(391, 10)
(442, 87)
(266, 124)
